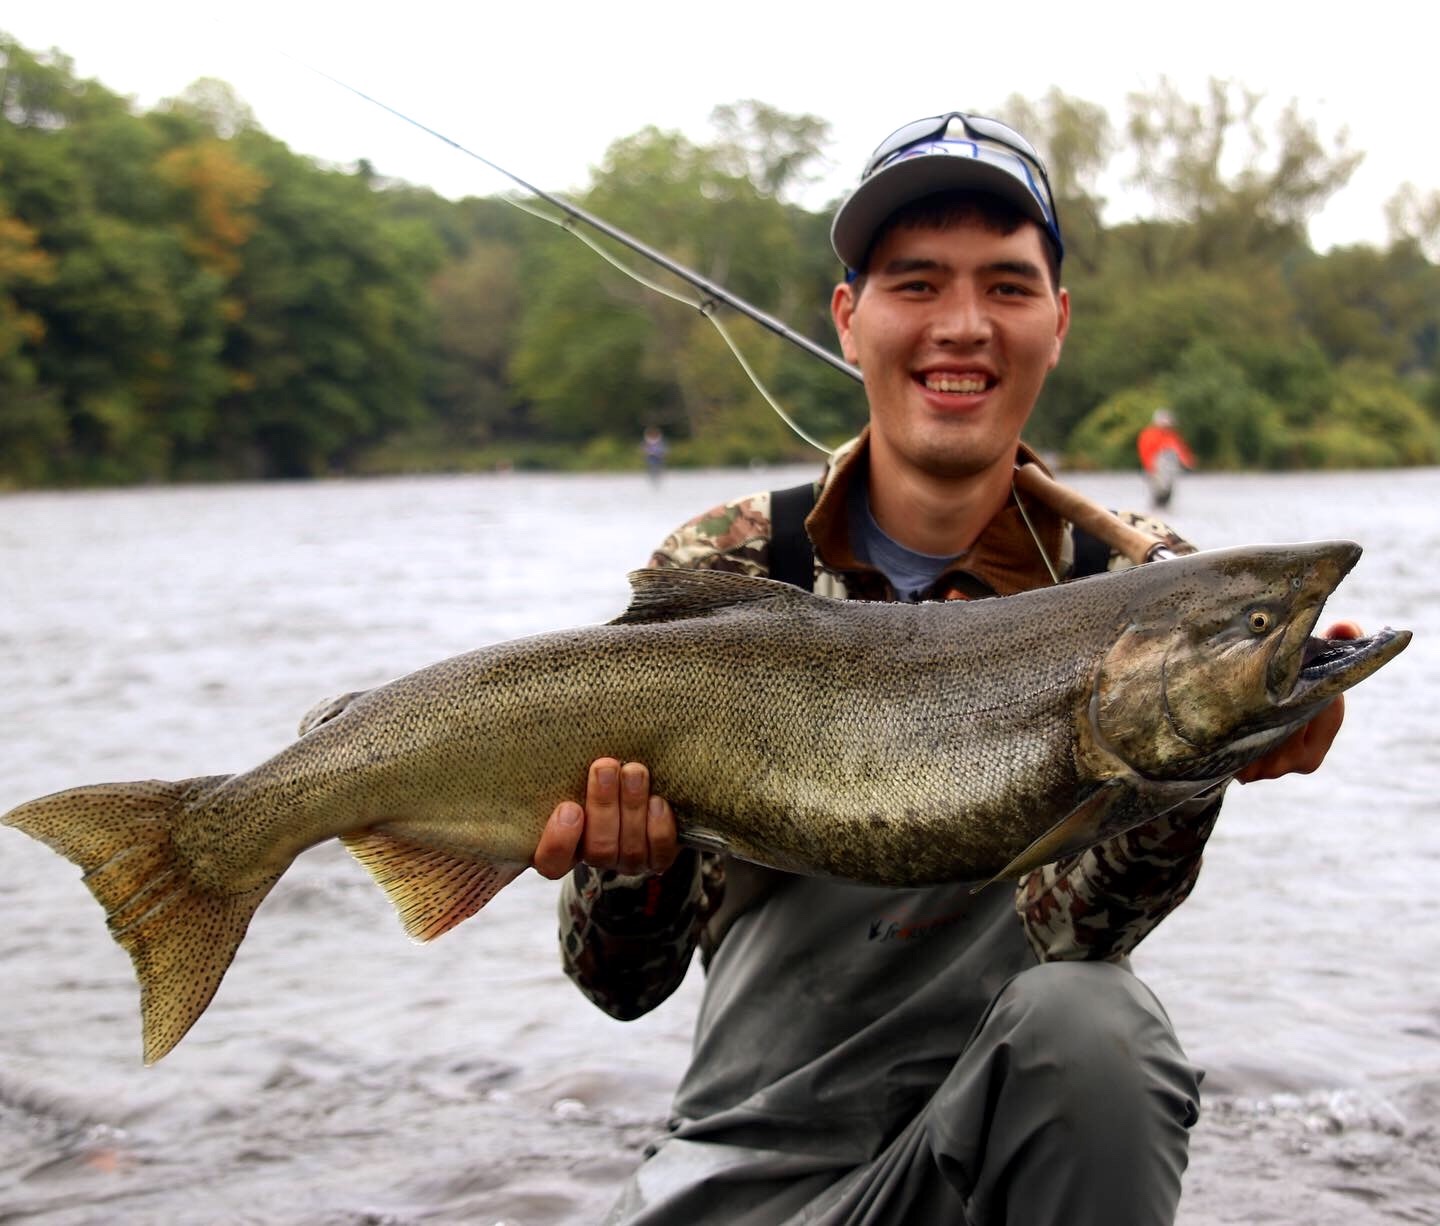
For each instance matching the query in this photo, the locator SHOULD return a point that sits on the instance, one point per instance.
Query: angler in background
(655, 449)
(914, 1055)
(1163, 452)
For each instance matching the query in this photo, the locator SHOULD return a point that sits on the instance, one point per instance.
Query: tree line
(182, 297)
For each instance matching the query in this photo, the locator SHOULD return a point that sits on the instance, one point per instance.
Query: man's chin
(954, 461)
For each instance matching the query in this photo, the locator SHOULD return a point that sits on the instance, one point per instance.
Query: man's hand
(1305, 748)
(621, 826)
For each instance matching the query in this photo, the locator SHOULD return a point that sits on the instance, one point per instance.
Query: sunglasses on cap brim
(978, 126)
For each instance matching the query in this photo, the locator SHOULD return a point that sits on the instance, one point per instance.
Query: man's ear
(842, 310)
(1062, 325)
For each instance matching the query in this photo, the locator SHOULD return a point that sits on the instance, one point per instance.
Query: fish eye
(1260, 620)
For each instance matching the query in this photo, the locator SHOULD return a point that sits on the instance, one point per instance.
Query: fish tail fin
(180, 936)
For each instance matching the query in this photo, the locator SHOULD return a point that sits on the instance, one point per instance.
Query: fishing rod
(713, 293)
(1135, 544)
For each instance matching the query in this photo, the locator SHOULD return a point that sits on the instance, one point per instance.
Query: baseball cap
(951, 152)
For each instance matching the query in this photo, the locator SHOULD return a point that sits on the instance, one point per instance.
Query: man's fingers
(621, 825)
(660, 830)
(602, 813)
(634, 850)
(559, 841)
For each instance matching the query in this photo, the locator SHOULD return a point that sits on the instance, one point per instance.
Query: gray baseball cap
(948, 152)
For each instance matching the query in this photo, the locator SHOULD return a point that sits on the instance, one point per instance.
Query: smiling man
(925, 1055)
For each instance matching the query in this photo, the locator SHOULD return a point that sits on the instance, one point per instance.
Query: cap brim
(868, 206)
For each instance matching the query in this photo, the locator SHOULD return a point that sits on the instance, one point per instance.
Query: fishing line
(715, 295)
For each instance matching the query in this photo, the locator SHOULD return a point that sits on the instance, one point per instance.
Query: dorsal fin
(326, 710)
(671, 594)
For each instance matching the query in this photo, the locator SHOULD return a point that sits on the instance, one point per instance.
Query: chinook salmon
(886, 743)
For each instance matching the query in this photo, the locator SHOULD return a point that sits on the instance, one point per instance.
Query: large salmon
(893, 744)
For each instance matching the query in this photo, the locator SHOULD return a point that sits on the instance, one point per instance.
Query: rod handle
(1134, 543)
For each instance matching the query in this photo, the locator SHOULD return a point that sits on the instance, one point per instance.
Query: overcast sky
(543, 86)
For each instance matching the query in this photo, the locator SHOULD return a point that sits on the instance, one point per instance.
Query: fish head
(1219, 661)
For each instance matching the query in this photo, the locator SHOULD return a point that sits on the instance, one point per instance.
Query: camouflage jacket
(627, 941)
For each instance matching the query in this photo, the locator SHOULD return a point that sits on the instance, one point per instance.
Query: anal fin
(433, 888)
(1082, 827)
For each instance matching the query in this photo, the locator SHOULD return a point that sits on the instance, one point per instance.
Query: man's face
(954, 330)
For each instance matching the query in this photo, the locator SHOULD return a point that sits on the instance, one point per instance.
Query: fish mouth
(1330, 666)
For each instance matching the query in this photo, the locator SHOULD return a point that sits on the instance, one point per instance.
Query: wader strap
(792, 556)
(1092, 555)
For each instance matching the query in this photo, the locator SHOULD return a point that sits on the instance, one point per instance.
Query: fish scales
(663, 693)
(893, 744)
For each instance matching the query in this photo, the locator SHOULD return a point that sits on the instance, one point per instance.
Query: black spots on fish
(877, 821)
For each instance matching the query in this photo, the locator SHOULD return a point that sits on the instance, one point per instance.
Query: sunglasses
(980, 128)
(977, 126)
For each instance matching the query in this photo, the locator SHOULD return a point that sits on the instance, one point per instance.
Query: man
(925, 1055)
(1163, 452)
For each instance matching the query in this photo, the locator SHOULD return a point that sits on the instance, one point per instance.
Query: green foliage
(1077, 140)
(1414, 218)
(1106, 437)
(1130, 333)
(332, 316)
(1372, 422)
(772, 150)
(182, 296)
(476, 301)
(1227, 420)
(210, 303)
(1430, 396)
(1368, 305)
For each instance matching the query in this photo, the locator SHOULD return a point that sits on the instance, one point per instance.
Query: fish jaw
(1330, 666)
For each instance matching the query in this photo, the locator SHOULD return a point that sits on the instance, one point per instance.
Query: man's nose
(961, 317)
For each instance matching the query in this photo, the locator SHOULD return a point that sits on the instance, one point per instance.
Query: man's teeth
(955, 383)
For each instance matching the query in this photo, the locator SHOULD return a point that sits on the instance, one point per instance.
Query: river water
(346, 1075)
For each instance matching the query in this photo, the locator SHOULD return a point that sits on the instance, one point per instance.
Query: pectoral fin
(1082, 827)
(433, 888)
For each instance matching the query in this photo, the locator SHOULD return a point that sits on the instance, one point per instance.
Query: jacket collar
(1003, 559)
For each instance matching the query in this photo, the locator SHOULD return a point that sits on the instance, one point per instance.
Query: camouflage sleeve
(627, 941)
(1101, 903)
(733, 537)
